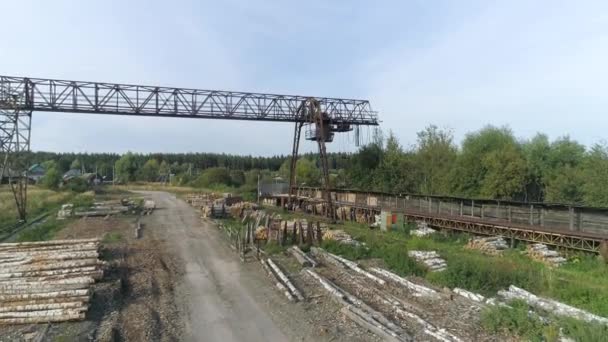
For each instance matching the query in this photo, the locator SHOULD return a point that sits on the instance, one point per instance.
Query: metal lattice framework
(112, 98)
(20, 96)
(15, 128)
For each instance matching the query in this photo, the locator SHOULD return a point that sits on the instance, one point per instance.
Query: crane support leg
(329, 209)
(15, 129)
(293, 163)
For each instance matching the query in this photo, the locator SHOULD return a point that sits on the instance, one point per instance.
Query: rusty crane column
(15, 130)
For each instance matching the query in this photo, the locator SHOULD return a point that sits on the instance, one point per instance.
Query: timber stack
(540, 252)
(47, 281)
(493, 245)
(430, 259)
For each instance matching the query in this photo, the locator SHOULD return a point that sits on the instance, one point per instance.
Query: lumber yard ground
(181, 280)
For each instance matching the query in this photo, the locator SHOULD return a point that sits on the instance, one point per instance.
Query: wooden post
(308, 233)
(498, 210)
(319, 233)
(284, 237)
(472, 207)
(571, 215)
(482, 210)
(509, 214)
(439, 208)
(580, 220)
(420, 203)
(461, 207)
(300, 233)
(294, 233)
(531, 214)
(451, 209)
(430, 204)
(542, 217)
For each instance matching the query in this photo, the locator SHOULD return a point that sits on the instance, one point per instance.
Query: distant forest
(489, 163)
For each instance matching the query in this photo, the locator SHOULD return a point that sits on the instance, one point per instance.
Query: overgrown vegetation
(519, 320)
(41, 231)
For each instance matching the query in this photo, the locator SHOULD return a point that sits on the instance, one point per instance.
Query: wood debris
(418, 290)
(47, 281)
(430, 259)
(493, 245)
(339, 261)
(302, 257)
(542, 253)
(361, 313)
(282, 281)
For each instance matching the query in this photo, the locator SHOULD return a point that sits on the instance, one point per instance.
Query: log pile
(417, 290)
(47, 281)
(362, 314)
(550, 305)
(493, 245)
(422, 229)
(542, 253)
(340, 236)
(282, 281)
(430, 259)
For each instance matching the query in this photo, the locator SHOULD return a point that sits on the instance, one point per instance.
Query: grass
(112, 237)
(517, 319)
(582, 282)
(40, 201)
(42, 231)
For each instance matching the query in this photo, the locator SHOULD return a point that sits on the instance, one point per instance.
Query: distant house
(71, 174)
(92, 178)
(8, 173)
(36, 172)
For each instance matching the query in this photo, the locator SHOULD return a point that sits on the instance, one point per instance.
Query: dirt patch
(133, 302)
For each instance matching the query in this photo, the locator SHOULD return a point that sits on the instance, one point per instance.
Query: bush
(51, 179)
(213, 176)
(514, 320)
(77, 185)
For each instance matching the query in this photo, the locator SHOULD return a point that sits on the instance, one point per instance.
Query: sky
(535, 66)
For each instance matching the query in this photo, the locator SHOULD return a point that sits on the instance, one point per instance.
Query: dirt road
(218, 294)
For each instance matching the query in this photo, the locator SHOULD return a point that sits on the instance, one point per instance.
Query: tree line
(489, 163)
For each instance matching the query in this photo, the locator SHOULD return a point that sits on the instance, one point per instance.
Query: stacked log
(422, 229)
(493, 245)
(430, 259)
(340, 236)
(47, 281)
(549, 305)
(542, 253)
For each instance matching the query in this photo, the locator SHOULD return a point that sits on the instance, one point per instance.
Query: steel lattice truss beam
(111, 98)
(554, 238)
(564, 239)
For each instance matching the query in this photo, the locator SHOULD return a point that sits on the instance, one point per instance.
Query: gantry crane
(20, 96)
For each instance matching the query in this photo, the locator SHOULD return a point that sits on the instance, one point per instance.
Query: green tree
(468, 174)
(126, 168)
(51, 179)
(150, 171)
(76, 164)
(595, 176)
(564, 178)
(435, 157)
(237, 177)
(505, 173)
(164, 168)
(396, 172)
(213, 176)
(536, 152)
